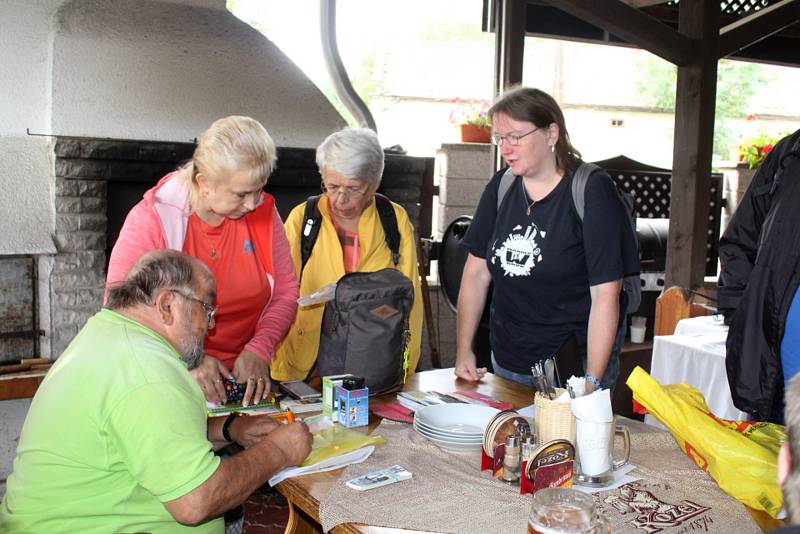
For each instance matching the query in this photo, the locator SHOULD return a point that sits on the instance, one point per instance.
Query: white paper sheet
(528, 411)
(355, 457)
(621, 477)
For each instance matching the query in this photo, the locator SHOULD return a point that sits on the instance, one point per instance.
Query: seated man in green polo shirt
(117, 438)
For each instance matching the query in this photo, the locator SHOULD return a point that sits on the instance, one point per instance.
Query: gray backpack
(365, 329)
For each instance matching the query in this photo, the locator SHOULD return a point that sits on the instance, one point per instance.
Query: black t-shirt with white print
(543, 264)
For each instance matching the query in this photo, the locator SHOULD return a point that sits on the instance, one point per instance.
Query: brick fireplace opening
(98, 181)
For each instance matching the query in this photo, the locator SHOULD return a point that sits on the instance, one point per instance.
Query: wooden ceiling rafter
(634, 26)
(757, 26)
(627, 20)
(643, 3)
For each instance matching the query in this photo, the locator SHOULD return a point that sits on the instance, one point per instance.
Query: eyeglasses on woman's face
(334, 191)
(209, 309)
(511, 139)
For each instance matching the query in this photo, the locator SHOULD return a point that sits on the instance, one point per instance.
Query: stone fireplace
(98, 181)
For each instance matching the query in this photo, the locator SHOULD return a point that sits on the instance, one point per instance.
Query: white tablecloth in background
(706, 324)
(699, 360)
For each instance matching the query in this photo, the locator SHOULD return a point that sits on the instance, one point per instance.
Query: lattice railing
(742, 7)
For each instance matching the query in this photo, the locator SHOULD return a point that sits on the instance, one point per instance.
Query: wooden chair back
(673, 305)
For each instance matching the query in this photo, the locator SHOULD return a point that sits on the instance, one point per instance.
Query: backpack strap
(389, 222)
(578, 186)
(505, 184)
(311, 225)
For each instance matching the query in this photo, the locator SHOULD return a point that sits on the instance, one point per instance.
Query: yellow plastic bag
(335, 440)
(742, 456)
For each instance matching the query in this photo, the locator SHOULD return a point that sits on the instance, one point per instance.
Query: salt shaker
(511, 460)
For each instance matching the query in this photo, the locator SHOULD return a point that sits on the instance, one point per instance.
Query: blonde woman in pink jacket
(213, 208)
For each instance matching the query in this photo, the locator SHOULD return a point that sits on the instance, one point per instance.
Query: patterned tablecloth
(448, 493)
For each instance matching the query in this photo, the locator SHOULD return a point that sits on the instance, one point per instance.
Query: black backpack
(631, 282)
(365, 328)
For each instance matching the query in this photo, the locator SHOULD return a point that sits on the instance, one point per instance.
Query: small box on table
(353, 401)
(330, 408)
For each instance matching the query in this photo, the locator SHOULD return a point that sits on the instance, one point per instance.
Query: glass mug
(565, 511)
(594, 449)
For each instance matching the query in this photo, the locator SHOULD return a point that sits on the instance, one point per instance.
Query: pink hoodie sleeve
(141, 232)
(278, 314)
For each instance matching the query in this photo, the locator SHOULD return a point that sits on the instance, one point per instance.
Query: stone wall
(84, 169)
(79, 266)
(463, 170)
(736, 181)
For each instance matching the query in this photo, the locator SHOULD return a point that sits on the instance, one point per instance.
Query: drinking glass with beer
(565, 511)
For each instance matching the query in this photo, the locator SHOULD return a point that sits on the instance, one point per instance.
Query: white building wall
(163, 71)
(26, 212)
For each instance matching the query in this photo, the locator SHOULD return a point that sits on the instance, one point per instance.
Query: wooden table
(304, 492)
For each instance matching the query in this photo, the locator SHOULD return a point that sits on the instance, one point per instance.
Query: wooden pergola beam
(509, 31)
(757, 26)
(691, 156)
(509, 28)
(643, 3)
(634, 26)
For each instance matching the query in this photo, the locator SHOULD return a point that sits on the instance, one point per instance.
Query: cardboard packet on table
(376, 479)
(330, 408)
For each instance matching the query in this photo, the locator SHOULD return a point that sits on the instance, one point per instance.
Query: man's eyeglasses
(512, 139)
(347, 192)
(210, 309)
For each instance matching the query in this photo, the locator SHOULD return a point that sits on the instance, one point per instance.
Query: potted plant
(753, 151)
(473, 120)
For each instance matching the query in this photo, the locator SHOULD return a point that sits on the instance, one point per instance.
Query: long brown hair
(534, 105)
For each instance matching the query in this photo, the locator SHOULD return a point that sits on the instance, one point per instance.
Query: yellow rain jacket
(297, 352)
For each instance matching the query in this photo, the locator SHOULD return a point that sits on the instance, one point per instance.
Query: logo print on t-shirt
(248, 247)
(520, 253)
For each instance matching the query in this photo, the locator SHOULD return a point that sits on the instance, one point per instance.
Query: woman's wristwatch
(588, 377)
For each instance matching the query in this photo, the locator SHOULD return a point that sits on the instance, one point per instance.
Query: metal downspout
(333, 61)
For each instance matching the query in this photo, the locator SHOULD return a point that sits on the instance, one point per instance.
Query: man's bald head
(158, 270)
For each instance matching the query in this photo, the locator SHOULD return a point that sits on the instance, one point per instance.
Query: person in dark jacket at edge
(760, 253)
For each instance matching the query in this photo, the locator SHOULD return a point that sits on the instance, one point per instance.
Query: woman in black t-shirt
(554, 276)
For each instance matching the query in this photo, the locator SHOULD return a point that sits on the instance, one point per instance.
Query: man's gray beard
(192, 352)
(191, 349)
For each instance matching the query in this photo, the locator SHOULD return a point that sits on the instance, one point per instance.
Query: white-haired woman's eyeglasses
(348, 192)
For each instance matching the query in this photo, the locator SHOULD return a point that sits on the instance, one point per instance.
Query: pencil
(289, 416)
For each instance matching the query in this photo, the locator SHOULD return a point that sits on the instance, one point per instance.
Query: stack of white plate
(454, 427)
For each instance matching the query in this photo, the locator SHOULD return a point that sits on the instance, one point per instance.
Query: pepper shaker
(528, 448)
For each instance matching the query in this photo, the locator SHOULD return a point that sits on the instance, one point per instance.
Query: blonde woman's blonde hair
(230, 144)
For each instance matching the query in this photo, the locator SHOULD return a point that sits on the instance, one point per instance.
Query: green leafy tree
(737, 82)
